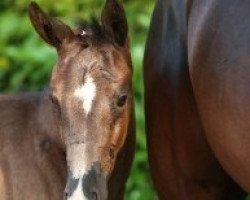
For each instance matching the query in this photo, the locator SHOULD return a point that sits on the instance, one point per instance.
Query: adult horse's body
(197, 99)
(80, 132)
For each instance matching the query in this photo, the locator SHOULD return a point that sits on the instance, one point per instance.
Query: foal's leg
(219, 45)
(182, 165)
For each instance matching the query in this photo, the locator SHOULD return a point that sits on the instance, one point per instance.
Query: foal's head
(91, 91)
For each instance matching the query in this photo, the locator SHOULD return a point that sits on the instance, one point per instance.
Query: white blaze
(86, 93)
(78, 160)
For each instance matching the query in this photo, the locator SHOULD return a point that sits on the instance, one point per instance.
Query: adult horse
(197, 99)
(81, 131)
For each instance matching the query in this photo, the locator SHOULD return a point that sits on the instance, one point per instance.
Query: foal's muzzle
(91, 186)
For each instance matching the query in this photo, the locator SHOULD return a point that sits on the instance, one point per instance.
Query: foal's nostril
(95, 194)
(65, 196)
(94, 183)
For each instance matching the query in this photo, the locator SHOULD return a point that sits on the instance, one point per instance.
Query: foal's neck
(30, 141)
(32, 113)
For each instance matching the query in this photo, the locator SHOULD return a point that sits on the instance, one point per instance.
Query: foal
(77, 139)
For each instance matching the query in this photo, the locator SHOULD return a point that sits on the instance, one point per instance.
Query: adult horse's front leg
(219, 50)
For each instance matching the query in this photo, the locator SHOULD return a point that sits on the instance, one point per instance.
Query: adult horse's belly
(219, 54)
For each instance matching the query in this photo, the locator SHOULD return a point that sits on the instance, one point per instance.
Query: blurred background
(26, 62)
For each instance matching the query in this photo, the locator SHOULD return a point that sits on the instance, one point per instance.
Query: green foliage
(26, 62)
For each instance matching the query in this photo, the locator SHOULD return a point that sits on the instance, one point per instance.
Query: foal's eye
(121, 100)
(53, 99)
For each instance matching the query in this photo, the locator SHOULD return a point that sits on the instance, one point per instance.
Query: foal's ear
(53, 31)
(114, 21)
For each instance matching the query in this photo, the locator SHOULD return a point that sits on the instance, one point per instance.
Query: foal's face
(91, 90)
(92, 87)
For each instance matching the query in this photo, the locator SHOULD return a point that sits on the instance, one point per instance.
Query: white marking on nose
(86, 93)
(78, 160)
(78, 193)
(79, 164)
